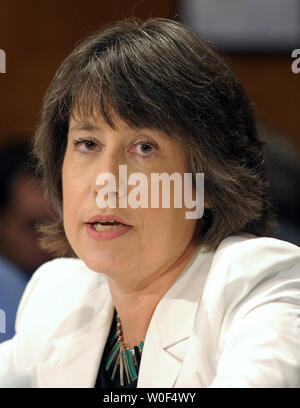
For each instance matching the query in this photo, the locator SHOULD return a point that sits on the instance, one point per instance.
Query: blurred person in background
(283, 166)
(22, 207)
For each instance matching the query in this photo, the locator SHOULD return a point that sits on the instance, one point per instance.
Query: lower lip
(105, 235)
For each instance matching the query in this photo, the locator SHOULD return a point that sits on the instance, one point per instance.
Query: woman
(155, 299)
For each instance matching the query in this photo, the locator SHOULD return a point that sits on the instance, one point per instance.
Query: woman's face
(157, 236)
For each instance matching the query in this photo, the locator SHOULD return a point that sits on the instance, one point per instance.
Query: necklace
(127, 360)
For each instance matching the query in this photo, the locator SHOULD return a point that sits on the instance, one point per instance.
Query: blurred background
(257, 36)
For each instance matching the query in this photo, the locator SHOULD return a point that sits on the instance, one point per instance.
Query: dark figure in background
(283, 165)
(22, 207)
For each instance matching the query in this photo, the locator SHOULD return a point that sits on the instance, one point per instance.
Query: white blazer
(231, 319)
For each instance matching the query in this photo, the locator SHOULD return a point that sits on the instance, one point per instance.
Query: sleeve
(259, 337)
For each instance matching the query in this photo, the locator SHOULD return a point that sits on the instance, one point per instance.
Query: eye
(146, 148)
(84, 145)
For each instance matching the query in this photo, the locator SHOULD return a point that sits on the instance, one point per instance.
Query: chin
(103, 261)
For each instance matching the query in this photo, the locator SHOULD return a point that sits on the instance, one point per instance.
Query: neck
(136, 306)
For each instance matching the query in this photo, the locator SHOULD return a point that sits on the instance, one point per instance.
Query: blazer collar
(172, 323)
(77, 352)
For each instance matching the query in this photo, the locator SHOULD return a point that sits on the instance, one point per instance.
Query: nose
(110, 180)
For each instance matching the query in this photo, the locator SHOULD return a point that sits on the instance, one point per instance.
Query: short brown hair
(159, 74)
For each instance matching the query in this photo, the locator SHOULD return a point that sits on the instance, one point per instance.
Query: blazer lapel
(199, 365)
(171, 326)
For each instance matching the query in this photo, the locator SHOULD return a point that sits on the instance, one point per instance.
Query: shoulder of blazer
(56, 287)
(254, 256)
(249, 271)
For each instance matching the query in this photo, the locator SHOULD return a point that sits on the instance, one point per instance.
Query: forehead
(96, 122)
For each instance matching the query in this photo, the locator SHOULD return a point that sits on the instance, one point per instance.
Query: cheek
(68, 203)
(70, 195)
(71, 182)
(167, 224)
(182, 229)
(65, 188)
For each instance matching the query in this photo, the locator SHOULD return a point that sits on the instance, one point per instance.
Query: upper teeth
(99, 227)
(112, 220)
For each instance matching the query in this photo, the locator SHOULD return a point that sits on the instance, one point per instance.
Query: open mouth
(107, 226)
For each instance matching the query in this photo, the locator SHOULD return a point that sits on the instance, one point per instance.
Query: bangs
(89, 100)
(114, 84)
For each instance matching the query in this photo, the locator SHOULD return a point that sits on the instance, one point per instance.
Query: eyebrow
(87, 126)
(83, 126)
